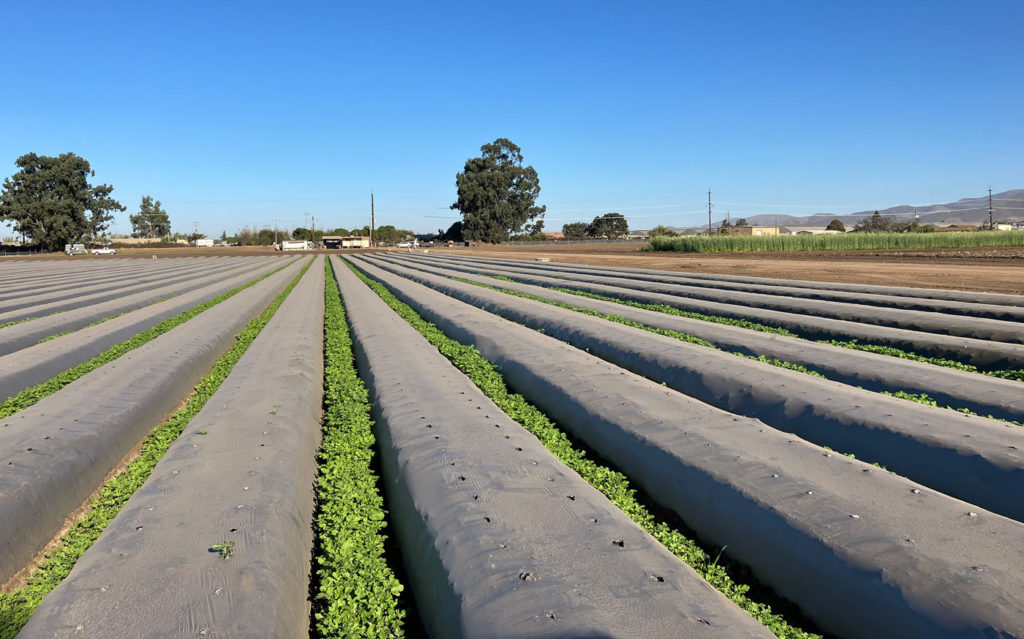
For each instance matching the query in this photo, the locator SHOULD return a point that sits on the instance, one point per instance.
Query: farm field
(992, 269)
(467, 443)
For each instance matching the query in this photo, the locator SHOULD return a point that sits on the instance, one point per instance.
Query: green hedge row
(16, 607)
(611, 483)
(832, 242)
(356, 592)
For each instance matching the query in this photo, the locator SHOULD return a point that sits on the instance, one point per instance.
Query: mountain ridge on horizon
(1008, 205)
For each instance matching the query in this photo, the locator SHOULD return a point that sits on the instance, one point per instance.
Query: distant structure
(345, 242)
(752, 230)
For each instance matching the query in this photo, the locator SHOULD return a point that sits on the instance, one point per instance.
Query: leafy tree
(454, 233)
(836, 225)
(661, 230)
(575, 230)
(48, 198)
(875, 224)
(741, 222)
(496, 193)
(151, 220)
(609, 225)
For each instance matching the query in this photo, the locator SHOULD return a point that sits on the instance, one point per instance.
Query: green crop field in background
(833, 242)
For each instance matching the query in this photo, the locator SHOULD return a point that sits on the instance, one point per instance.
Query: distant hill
(1008, 205)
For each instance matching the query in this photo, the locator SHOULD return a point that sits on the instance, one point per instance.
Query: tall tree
(836, 225)
(151, 220)
(496, 194)
(48, 199)
(610, 225)
(575, 230)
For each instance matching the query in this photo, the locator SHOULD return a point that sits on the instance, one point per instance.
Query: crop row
(863, 511)
(870, 371)
(837, 242)
(356, 591)
(611, 483)
(980, 353)
(15, 384)
(17, 606)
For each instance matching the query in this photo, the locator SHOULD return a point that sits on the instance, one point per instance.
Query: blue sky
(237, 114)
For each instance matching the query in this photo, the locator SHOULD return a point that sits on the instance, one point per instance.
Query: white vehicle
(412, 244)
(106, 250)
(206, 242)
(75, 249)
(294, 245)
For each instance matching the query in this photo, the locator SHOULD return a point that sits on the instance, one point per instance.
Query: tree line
(50, 202)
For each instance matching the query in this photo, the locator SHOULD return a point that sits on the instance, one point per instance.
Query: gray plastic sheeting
(931, 322)
(1000, 398)
(38, 363)
(500, 539)
(26, 334)
(57, 452)
(249, 479)
(973, 351)
(864, 552)
(41, 305)
(972, 458)
(963, 302)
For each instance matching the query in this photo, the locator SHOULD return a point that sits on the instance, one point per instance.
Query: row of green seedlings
(613, 484)
(920, 398)
(834, 242)
(1011, 374)
(31, 395)
(355, 591)
(16, 607)
(683, 337)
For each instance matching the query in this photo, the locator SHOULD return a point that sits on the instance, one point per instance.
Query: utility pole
(312, 230)
(373, 221)
(709, 212)
(990, 225)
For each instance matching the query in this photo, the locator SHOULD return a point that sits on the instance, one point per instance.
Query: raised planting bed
(217, 541)
(980, 394)
(864, 552)
(26, 334)
(925, 443)
(35, 364)
(939, 323)
(896, 296)
(16, 606)
(56, 452)
(977, 352)
(501, 539)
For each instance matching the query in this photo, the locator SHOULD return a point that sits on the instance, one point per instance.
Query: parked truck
(294, 245)
(75, 249)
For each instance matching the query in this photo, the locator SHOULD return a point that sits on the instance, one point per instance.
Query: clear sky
(237, 114)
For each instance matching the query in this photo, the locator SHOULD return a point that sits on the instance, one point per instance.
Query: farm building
(339, 242)
(752, 230)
